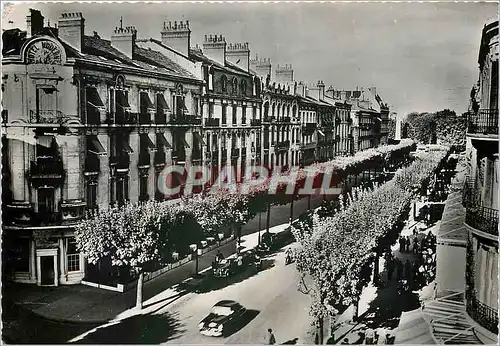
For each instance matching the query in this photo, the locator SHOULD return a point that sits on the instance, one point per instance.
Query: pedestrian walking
(415, 245)
(270, 339)
(401, 244)
(408, 244)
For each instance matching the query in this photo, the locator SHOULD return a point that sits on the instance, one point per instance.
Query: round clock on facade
(44, 52)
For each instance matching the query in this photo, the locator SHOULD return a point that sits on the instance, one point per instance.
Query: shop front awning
(162, 102)
(185, 143)
(199, 138)
(413, 329)
(163, 141)
(146, 142)
(94, 146)
(93, 98)
(126, 147)
(321, 133)
(145, 100)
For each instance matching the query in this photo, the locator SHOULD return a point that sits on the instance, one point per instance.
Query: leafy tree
(133, 235)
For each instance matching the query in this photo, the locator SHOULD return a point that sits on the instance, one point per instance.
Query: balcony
(47, 117)
(72, 210)
(482, 314)
(185, 120)
(125, 118)
(484, 122)
(144, 160)
(160, 159)
(283, 145)
(47, 169)
(212, 123)
(255, 122)
(477, 216)
(92, 164)
(284, 120)
(308, 146)
(121, 162)
(160, 118)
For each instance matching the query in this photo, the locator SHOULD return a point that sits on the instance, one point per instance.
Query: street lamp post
(260, 219)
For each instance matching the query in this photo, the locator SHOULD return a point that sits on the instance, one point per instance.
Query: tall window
(179, 105)
(234, 107)
(254, 112)
(73, 256)
(224, 114)
(91, 195)
(209, 142)
(210, 110)
(20, 254)
(494, 86)
(46, 203)
(122, 190)
(143, 188)
(243, 115)
(223, 83)
(243, 87)
(235, 86)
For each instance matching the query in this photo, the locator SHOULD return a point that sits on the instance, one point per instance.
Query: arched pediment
(43, 50)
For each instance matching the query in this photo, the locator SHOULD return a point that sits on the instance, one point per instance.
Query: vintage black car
(237, 264)
(224, 317)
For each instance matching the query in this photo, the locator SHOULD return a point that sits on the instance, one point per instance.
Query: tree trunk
(291, 209)
(356, 311)
(376, 269)
(309, 202)
(320, 323)
(140, 282)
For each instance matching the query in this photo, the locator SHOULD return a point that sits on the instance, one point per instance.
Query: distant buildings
(88, 122)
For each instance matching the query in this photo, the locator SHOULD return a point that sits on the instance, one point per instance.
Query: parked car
(237, 264)
(222, 319)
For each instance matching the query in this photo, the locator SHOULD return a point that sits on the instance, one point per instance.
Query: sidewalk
(85, 304)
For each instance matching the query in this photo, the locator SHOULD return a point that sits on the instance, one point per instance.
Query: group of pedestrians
(403, 270)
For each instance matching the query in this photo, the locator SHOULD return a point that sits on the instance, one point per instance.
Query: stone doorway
(47, 270)
(47, 267)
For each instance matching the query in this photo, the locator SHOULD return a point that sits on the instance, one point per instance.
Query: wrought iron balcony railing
(47, 167)
(47, 117)
(255, 122)
(483, 314)
(185, 120)
(478, 216)
(484, 122)
(283, 145)
(284, 120)
(212, 122)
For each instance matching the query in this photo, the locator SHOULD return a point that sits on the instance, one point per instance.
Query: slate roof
(98, 50)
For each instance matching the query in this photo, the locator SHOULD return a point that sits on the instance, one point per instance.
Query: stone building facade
(87, 122)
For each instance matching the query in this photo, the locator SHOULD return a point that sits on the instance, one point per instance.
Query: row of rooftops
(94, 49)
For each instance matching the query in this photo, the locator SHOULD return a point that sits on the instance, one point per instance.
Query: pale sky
(420, 56)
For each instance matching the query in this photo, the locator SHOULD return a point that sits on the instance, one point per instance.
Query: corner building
(87, 122)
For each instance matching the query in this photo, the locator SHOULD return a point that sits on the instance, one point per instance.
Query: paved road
(271, 296)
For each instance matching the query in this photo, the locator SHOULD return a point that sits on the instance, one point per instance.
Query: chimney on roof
(123, 39)
(71, 29)
(262, 66)
(284, 73)
(34, 22)
(321, 87)
(214, 48)
(301, 89)
(239, 54)
(177, 36)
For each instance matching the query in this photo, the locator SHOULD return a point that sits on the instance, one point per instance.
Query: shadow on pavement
(168, 300)
(291, 342)
(246, 319)
(138, 329)
(22, 326)
(210, 283)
